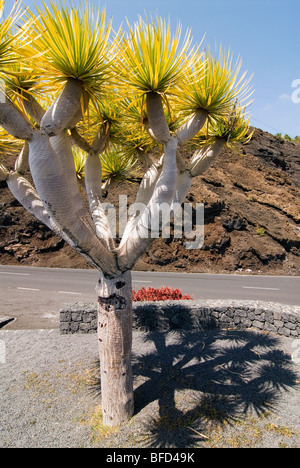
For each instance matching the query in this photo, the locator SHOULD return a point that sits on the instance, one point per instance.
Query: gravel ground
(192, 389)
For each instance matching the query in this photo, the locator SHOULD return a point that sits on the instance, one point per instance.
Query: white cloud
(285, 98)
(267, 107)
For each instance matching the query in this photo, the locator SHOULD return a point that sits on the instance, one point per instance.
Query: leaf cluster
(117, 70)
(212, 83)
(116, 165)
(71, 43)
(151, 59)
(8, 35)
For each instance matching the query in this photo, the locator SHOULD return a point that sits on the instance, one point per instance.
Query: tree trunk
(115, 344)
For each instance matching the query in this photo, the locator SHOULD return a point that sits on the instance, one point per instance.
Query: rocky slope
(252, 218)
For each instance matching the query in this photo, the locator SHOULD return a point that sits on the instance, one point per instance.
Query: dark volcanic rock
(252, 218)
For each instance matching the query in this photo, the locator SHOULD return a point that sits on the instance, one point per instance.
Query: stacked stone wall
(192, 315)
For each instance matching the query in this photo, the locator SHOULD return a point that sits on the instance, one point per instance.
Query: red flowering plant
(162, 294)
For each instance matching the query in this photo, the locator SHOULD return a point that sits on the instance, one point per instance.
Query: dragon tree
(70, 85)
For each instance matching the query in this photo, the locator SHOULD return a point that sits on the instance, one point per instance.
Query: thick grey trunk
(67, 107)
(158, 126)
(115, 345)
(63, 149)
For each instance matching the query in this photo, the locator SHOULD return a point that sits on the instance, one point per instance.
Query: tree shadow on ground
(207, 378)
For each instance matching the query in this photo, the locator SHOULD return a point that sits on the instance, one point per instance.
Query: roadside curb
(192, 315)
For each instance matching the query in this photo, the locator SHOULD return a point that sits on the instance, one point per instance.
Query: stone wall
(192, 315)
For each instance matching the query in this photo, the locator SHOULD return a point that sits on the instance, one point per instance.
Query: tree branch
(201, 161)
(26, 194)
(101, 140)
(183, 185)
(3, 173)
(158, 126)
(79, 140)
(93, 181)
(203, 158)
(60, 115)
(13, 121)
(144, 194)
(33, 108)
(138, 239)
(21, 164)
(193, 126)
(53, 188)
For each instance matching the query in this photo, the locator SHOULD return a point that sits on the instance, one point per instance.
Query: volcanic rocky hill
(252, 218)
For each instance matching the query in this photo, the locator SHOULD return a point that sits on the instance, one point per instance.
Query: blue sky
(265, 33)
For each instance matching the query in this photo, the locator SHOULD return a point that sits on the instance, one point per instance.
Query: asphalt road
(34, 296)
